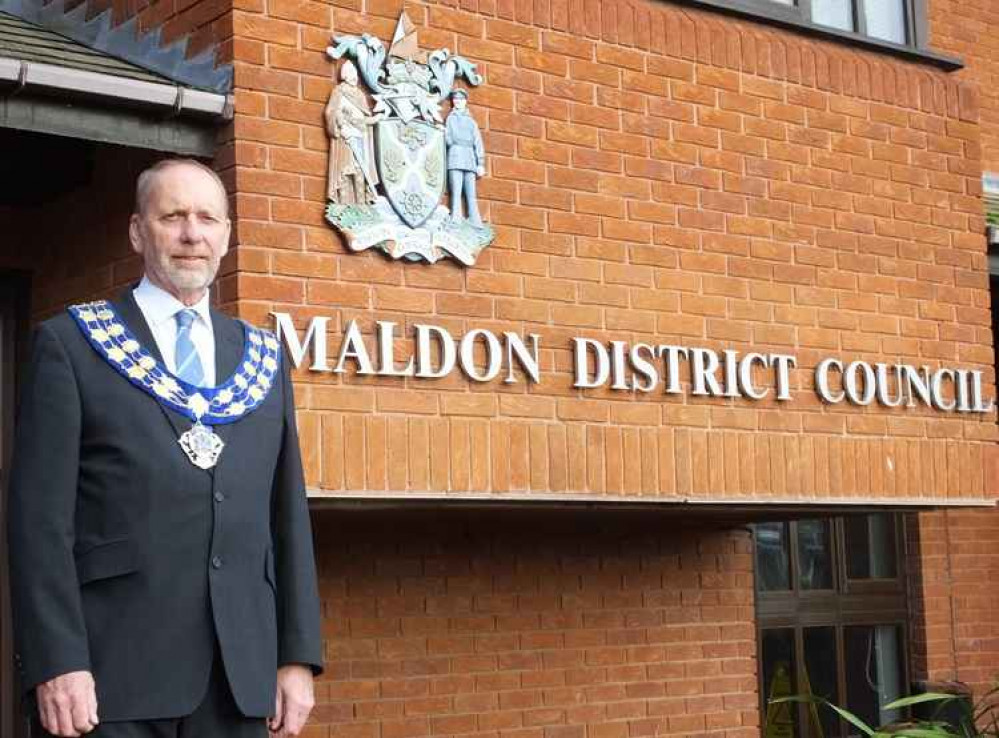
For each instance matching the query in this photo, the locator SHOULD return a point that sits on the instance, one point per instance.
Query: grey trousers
(460, 182)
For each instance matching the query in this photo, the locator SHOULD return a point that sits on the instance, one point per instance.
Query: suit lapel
(228, 345)
(229, 341)
(130, 314)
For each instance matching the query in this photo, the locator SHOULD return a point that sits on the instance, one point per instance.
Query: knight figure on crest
(391, 159)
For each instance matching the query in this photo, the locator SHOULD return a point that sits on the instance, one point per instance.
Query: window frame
(799, 17)
(852, 602)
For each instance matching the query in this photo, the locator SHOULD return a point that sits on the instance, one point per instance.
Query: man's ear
(134, 234)
(228, 235)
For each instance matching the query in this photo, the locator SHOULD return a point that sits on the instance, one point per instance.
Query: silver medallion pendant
(202, 445)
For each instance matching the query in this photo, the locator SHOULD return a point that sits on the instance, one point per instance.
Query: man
(466, 157)
(162, 569)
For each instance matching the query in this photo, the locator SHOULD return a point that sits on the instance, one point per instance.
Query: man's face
(182, 232)
(459, 102)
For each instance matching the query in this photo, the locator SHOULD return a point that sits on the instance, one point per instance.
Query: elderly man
(162, 570)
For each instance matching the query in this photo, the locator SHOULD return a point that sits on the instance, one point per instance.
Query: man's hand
(67, 704)
(293, 702)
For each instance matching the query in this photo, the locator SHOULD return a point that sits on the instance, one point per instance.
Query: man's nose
(190, 231)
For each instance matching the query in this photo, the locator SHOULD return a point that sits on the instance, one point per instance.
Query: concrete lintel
(318, 496)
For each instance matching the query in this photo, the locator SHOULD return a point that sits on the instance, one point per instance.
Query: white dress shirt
(160, 308)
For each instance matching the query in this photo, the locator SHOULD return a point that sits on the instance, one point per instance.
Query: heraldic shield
(394, 157)
(411, 161)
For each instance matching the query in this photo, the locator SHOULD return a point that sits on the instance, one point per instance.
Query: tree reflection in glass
(773, 561)
(814, 555)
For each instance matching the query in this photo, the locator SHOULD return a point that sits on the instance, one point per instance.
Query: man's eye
(172, 216)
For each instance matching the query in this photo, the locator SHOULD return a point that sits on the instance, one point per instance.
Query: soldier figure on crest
(466, 157)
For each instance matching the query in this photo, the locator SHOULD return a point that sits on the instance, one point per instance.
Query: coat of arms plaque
(393, 157)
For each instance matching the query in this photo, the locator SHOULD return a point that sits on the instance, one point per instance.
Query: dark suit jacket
(129, 561)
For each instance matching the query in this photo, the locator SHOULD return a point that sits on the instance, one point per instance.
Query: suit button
(216, 562)
(219, 497)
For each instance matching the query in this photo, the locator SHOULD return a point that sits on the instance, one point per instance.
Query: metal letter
(976, 392)
(528, 360)
(850, 383)
(783, 363)
(315, 334)
(936, 389)
(746, 375)
(961, 385)
(386, 352)
(353, 348)
(494, 355)
(672, 356)
(424, 369)
(882, 372)
(822, 380)
(581, 364)
(731, 373)
(704, 364)
(917, 384)
(618, 381)
(643, 367)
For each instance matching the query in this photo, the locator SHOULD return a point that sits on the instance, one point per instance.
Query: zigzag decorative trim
(123, 41)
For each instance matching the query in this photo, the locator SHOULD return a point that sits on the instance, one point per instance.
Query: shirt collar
(159, 306)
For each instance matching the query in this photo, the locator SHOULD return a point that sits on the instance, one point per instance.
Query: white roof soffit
(183, 101)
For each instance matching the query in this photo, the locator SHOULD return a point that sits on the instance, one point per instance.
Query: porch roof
(52, 84)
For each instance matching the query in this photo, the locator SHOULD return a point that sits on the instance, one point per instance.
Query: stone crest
(392, 158)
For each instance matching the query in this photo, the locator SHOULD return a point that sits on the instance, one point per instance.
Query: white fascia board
(183, 100)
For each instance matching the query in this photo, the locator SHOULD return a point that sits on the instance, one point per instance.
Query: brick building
(534, 559)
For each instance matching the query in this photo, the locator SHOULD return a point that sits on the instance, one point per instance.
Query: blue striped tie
(186, 356)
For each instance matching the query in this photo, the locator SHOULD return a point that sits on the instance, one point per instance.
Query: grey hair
(147, 179)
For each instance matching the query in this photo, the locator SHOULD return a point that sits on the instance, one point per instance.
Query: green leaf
(845, 714)
(933, 732)
(919, 699)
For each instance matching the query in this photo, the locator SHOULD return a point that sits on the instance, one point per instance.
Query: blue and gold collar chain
(239, 395)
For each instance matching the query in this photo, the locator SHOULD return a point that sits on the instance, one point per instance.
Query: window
(831, 613)
(990, 193)
(887, 20)
(897, 26)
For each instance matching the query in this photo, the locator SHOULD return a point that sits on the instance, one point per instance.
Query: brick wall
(957, 553)
(954, 596)
(658, 174)
(534, 625)
(964, 29)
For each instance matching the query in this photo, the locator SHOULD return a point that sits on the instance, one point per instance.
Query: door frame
(14, 323)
